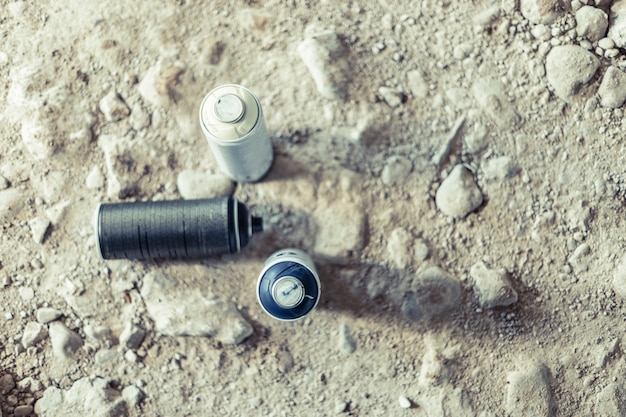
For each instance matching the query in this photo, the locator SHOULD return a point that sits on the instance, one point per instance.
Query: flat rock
(458, 195)
(493, 286)
(612, 89)
(178, 310)
(611, 401)
(46, 314)
(195, 184)
(432, 293)
(528, 392)
(38, 228)
(87, 397)
(617, 30)
(569, 68)
(65, 342)
(325, 57)
(591, 23)
(33, 333)
(542, 11)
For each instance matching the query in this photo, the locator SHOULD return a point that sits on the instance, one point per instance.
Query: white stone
(417, 84)
(46, 314)
(158, 84)
(26, 293)
(4, 183)
(493, 286)
(324, 55)
(498, 168)
(591, 23)
(458, 195)
(95, 179)
(617, 30)
(392, 95)
(180, 311)
(139, 118)
(37, 137)
(38, 227)
(346, 341)
(612, 89)
(54, 186)
(606, 43)
(397, 169)
(65, 342)
(33, 333)
(132, 395)
(433, 293)
(619, 278)
(113, 107)
(528, 392)
(404, 402)
(195, 184)
(569, 68)
(541, 11)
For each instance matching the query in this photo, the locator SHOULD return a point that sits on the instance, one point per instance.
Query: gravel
(458, 195)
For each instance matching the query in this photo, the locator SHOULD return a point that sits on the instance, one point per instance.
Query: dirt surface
(497, 294)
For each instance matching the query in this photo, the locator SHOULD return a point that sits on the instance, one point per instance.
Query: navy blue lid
(296, 270)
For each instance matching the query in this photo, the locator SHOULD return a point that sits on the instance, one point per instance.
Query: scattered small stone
(541, 11)
(39, 227)
(591, 23)
(528, 392)
(65, 342)
(132, 395)
(6, 384)
(611, 401)
(433, 293)
(113, 107)
(458, 195)
(33, 333)
(493, 285)
(130, 356)
(325, 57)
(404, 402)
(132, 336)
(195, 184)
(180, 311)
(46, 314)
(569, 68)
(417, 84)
(397, 169)
(346, 342)
(393, 96)
(158, 85)
(23, 410)
(612, 89)
(285, 361)
(617, 31)
(498, 168)
(95, 179)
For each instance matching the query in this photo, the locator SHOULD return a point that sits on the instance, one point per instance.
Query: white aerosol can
(232, 121)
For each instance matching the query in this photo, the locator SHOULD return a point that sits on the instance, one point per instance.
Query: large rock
(433, 293)
(542, 11)
(458, 195)
(569, 69)
(617, 30)
(591, 23)
(179, 310)
(612, 89)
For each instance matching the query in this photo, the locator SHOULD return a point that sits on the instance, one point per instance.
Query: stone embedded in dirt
(617, 30)
(95, 179)
(196, 184)
(33, 333)
(417, 84)
(6, 384)
(432, 293)
(158, 84)
(580, 258)
(612, 89)
(591, 23)
(490, 95)
(493, 286)
(569, 68)
(38, 227)
(46, 314)
(23, 410)
(393, 96)
(132, 336)
(528, 392)
(397, 169)
(91, 396)
(611, 401)
(498, 168)
(113, 107)
(619, 278)
(458, 195)
(325, 57)
(65, 342)
(178, 310)
(56, 212)
(346, 341)
(132, 395)
(542, 11)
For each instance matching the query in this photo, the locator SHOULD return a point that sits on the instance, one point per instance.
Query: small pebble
(65, 342)
(39, 227)
(346, 342)
(23, 410)
(95, 179)
(606, 43)
(404, 402)
(6, 384)
(33, 333)
(46, 314)
(113, 107)
(458, 195)
(392, 96)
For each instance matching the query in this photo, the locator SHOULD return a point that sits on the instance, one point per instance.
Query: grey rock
(542, 11)
(325, 57)
(617, 30)
(87, 397)
(132, 336)
(113, 107)
(11, 203)
(180, 311)
(611, 401)
(528, 392)
(46, 315)
(612, 89)
(591, 23)
(493, 286)
(33, 333)
(569, 68)
(65, 342)
(38, 228)
(195, 184)
(433, 293)
(346, 341)
(6, 384)
(23, 410)
(132, 395)
(396, 170)
(458, 195)
(489, 93)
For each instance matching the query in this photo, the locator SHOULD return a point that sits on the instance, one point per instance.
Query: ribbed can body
(232, 121)
(167, 229)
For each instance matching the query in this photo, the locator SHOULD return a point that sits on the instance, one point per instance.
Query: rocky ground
(455, 169)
